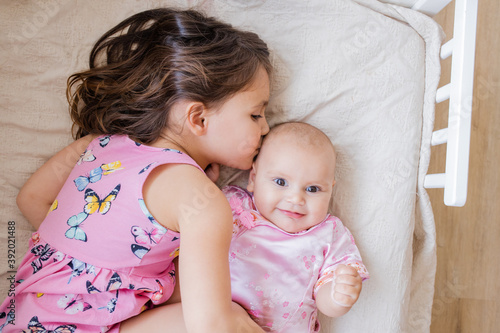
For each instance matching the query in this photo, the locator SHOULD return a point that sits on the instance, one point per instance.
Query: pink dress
(275, 274)
(99, 256)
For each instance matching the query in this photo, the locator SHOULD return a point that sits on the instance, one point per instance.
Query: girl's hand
(212, 172)
(347, 287)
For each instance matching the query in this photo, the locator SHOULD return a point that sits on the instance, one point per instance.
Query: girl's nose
(264, 126)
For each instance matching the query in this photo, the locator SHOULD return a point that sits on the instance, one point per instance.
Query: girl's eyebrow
(262, 104)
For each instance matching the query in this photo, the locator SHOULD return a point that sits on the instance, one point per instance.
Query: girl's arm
(182, 198)
(337, 297)
(41, 189)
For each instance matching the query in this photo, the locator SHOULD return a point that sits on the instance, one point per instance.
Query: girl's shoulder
(174, 192)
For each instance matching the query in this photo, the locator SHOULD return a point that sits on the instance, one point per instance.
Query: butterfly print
(94, 176)
(156, 294)
(43, 253)
(111, 167)
(53, 206)
(87, 156)
(78, 267)
(91, 289)
(72, 304)
(114, 283)
(103, 142)
(172, 150)
(142, 236)
(95, 204)
(146, 168)
(11, 318)
(110, 306)
(75, 232)
(139, 250)
(35, 326)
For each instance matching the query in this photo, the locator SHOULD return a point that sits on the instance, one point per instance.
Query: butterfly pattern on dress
(86, 156)
(72, 304)
(78, 267)
(144, 237)
(103, 142)
(146, 168)
(95, 204)
(96, 174)
(34, 326)
(42, 253)
(74, 231)
(114, 283)
(53, 207)
(156, 295)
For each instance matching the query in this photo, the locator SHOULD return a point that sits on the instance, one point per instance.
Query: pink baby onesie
(275, 274)
(99, 256)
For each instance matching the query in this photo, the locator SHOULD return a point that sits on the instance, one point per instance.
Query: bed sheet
(362, 71)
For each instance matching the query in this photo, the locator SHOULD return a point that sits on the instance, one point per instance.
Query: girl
(169, 93)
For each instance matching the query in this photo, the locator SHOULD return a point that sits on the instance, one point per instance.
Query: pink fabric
(99, 256)
(274, 274)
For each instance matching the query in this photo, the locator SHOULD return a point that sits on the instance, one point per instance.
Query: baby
(288, 256)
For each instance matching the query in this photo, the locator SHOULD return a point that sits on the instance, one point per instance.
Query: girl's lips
(293, 215)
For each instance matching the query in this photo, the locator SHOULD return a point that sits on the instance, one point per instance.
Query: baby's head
(293, 176)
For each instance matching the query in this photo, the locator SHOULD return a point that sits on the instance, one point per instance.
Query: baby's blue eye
(280, 181)
(313, 189)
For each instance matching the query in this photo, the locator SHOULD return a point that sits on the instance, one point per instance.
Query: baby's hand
(212, 172)
(347, 286)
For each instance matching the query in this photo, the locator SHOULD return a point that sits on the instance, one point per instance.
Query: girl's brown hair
(153, 59)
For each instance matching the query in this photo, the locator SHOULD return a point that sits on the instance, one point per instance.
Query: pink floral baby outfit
(99, 256)
(275, 274)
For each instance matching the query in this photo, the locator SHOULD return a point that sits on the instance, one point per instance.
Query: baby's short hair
(302, 134)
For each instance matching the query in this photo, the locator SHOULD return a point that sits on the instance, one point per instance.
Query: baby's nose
(296, 197)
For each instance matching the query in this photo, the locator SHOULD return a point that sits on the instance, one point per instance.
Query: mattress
(363, 71)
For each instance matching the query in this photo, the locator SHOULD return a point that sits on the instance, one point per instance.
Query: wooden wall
(467, 296)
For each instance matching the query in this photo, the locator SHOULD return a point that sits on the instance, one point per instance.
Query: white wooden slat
(435, 180)
(430, 7)
(439, 137)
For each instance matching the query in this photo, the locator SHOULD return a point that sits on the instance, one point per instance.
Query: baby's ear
(251, 179)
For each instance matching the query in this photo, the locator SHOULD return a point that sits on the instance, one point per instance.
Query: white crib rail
(459, 91)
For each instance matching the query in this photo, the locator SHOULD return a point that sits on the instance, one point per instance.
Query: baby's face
(292, 185)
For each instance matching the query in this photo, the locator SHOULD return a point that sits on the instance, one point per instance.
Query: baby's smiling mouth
(291, 214)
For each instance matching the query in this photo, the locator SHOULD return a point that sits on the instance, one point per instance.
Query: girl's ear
(251, 179)
(195, 119)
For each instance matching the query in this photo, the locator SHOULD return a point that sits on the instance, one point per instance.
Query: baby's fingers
(346, 295)
(353, 280)
(345, 269)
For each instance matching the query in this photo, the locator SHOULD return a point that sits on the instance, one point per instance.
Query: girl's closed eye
(280, 181)
(256, 116)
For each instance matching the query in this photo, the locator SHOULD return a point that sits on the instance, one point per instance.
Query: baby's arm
(336, 297)
(41, 189)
